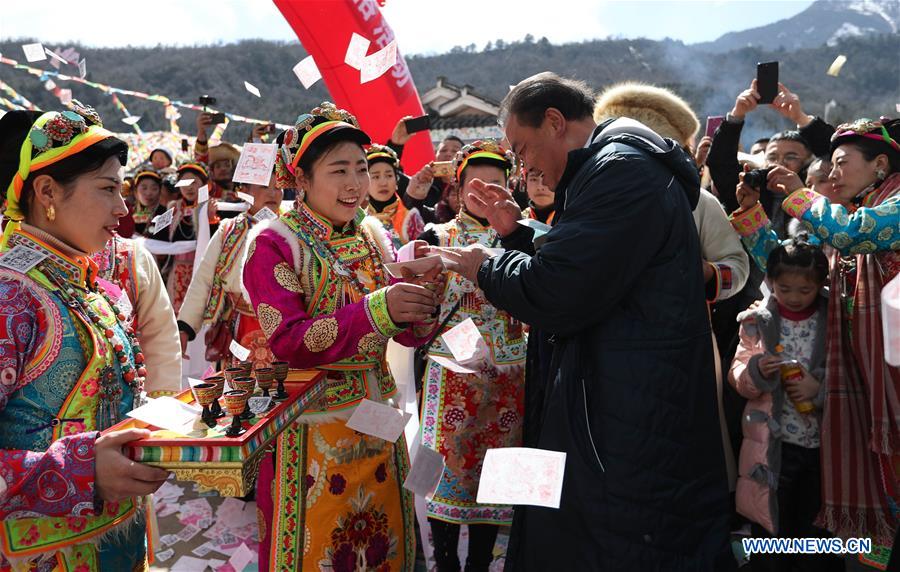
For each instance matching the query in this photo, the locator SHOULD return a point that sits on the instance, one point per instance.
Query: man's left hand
(464, 261)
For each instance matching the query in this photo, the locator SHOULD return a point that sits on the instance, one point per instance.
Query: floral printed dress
(464, 415)
(331, 498)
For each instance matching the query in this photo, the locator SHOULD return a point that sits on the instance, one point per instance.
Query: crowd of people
(698, 328)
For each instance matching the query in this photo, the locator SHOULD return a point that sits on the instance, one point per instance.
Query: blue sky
(421, 26)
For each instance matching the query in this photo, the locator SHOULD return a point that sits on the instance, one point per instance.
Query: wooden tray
(228, 465)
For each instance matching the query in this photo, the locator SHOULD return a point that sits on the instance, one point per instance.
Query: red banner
(325, 27)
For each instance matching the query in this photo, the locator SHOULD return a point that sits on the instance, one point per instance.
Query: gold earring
(51, 213)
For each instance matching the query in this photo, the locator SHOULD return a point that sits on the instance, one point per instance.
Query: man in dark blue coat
(617, 287)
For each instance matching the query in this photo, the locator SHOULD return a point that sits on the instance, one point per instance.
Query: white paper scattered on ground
(167, 413)
(417, 266)
(308, 72)
(241, 557)
(255, 164)
(520, 475)
(165, 555)
(356, 51)
(34, 52)
(835, 68)
(376, 65)
(189, 564)
(239, 351)
(252, 89)
(425, 473)
(378, 420)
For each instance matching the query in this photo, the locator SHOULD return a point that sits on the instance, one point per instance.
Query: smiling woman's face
(338, 183)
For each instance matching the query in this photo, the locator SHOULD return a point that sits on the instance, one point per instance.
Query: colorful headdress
(484, 152)
(146, 172)
(382, 154)
(193, 167)
(54, 136)
(866, 129)
(318, 127)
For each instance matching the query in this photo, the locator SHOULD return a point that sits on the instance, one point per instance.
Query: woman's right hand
(409, 303)
(420, 183)
(117, 477)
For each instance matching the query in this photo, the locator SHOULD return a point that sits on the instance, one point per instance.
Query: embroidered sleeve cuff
(712, 286)
(379, 317)
(748, 222)
(797, 203)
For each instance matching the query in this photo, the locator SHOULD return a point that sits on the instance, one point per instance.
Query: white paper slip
(222, 206)
(21, 258)
(82, 68)
(239, 351)
(451, 365)
(463, 341)
(189, 564)
(169, 539)
(203, 194)
(307, 71)
(246, 197)
(378, 420)
(165, 555)
(496, 251)
(184, 183)
(131, 119)
(259, 405)
(418, 266)
(65, 96)
(519, 475)
(540, 228)
(425, 473)
(376, 65)
(252, 89)
(55, 56)
(264, 213)
(255, 164)
(356, 51)
(49, 85)
(835, 68)
(163, 221)
(167, 413)
(34, 52)
(241, 557)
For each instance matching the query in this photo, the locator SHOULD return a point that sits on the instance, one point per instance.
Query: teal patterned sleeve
(756, 232)
(868, 230)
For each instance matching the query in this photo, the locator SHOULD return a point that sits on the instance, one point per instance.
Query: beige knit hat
(658, 108)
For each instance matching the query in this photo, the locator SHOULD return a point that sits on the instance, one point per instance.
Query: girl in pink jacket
(779, 368)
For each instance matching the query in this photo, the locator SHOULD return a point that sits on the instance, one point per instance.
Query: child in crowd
(779, 368)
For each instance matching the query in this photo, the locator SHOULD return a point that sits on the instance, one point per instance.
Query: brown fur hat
(658, 108)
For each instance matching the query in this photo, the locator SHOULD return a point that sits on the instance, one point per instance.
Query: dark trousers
(799, 499)
(446, 546)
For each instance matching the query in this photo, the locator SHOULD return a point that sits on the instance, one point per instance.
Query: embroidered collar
(75, 266)
(322, 227)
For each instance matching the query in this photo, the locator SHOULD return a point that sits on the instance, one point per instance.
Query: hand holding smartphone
(767, 81)
(417, 124)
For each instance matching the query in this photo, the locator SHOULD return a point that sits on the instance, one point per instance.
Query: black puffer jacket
(632, 401)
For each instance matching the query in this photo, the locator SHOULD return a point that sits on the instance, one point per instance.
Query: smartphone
(712, 123)
(184, 145)
(207, 100)
(442, 168)
(417, 124)
(217, 118)
(767, 81)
